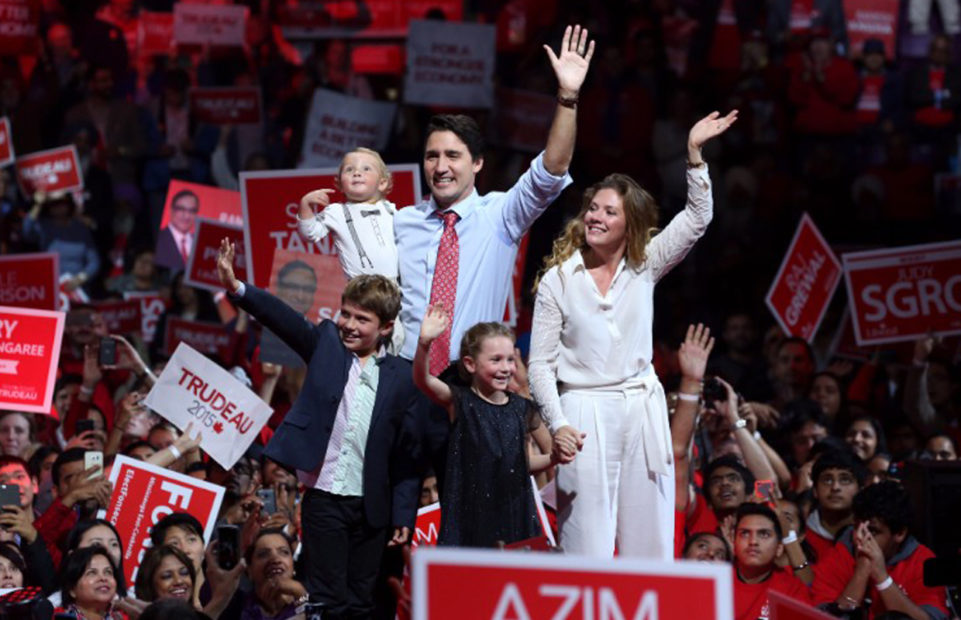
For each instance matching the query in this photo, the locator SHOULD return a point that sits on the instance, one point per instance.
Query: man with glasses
(837, 476)
(175, 242)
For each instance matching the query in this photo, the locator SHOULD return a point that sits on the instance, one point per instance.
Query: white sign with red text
(904, 293)
(450, 63)
(338, 123)
(6, 143)
(209, 24)
(456, 583)
(193, 389)
(144, 494)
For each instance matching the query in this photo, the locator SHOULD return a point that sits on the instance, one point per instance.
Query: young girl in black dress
(487, 496)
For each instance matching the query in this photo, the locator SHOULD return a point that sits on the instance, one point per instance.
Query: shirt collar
(463, 209)
(576, 263)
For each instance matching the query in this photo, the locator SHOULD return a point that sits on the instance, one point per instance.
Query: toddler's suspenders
(353, 234)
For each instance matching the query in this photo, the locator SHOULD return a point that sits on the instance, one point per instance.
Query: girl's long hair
(640, 213)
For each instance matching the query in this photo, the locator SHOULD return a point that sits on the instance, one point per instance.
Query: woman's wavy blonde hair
(640, 212)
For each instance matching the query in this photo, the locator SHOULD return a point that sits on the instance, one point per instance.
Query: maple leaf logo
(218, 427)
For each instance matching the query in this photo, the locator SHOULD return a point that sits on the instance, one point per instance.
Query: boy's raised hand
(225, 265)
(311, 200)
(435, 322)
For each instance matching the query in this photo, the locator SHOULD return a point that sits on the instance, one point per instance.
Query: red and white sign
(192, 389)
(804, 283)
(221, 205)
(6, 143)
(903, 293)
(226, 106)
(143, 494)
(271, 201)
(54, 170)
(314, 19)
(202, 266)
(209, 24)
(786, 608)
(449, 583)
(338, 123)
(872, 19)
(193, 201)
(522, 119)
(29, 353)
(155, 33)
(427, 526)
(212, 338)
(18, 26)
(450, 64)
(152, 305)
(30, 280)
(121, 317)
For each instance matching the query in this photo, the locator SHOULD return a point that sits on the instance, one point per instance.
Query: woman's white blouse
(581, 339)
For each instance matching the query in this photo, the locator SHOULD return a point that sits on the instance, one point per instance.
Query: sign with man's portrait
(185, 203)
(312, 285)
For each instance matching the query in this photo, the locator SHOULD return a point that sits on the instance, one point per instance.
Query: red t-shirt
(702, 518)
(833, 572)
(750, 599)
(822, 546)
(869, 101)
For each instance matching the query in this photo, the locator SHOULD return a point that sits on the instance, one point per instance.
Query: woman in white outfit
(590, 361)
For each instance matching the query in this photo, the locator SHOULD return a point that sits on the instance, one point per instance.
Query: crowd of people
(695, 133)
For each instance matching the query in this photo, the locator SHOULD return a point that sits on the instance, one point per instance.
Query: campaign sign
(271, 201)
(152, 305)
(211, 338)
(226, 106)
(903, 293)
(450, 64)
(202, 266)
(18, 26)
(29, 352)
(209, 24)
(30, 280)
(427, 526)
(121, 317)
(6, 143)
(781, 607)
(155, 33)
(805, 282)
(53, 170)
(192, 389)
(510, 584)
(185, 203)
(311, 284)
(144, 494)
(872, 19)
(338, 123)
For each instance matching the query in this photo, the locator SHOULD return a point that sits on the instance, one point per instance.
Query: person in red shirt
(757, 545)
(837, 477)
(878, 565)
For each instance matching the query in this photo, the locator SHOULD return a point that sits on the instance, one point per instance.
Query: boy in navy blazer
(351, 434)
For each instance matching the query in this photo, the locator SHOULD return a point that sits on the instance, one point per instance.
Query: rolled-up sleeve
(530, 196)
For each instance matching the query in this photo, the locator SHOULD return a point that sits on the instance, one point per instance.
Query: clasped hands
(568, 441)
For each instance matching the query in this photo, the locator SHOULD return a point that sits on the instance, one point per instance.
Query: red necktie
(184, 250)
(443, 289)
